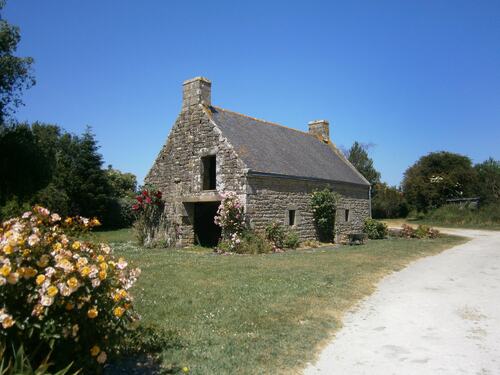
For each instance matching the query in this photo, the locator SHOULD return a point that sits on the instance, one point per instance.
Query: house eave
(251, 173)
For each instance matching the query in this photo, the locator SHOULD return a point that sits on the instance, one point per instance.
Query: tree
(388, 202)
(24, 165)
(15, 72)
(358, 156)
(42, 164)
(436, 177)
(122, 184)
(488, 187)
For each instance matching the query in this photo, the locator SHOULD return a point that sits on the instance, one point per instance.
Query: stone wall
(270, 198)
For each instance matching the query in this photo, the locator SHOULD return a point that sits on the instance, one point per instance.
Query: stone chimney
(320, 129)
(195, 91)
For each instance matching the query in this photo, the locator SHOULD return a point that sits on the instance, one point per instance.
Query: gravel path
(440, 315)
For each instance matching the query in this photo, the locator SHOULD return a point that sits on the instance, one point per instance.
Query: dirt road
(440, 315)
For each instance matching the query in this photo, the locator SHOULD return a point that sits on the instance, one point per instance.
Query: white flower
(46, 301)
(102, 357)
(122, 264)
(33, 240)
(55, 217)
(49, 271)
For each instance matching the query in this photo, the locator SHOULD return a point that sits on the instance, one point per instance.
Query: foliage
(12, 207)
(375, 230)
(275, 234)
(422, 231)
(231, 218)
(20, 364)
(60, 293)
(488, 184)
(254, 243)
(388, 202)
(248, 242)
(455, 215)
(44, 165)
(324, 203)
(358, 156)
(122, 184)
(15, 72)
(407, 231)
(25, 167)
(291, 240)
(148, 211)
(436, 177)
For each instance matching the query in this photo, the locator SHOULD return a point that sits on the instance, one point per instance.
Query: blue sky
(408, 77)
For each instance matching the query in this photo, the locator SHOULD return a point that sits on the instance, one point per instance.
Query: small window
(208, 172)
(291, 217)
(346, 215)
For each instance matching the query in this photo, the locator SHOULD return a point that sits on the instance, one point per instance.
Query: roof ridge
(264, 121)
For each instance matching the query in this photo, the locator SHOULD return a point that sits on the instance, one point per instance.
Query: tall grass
(486, 216)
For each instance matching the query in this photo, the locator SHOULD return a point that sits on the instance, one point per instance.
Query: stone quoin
(273, 170)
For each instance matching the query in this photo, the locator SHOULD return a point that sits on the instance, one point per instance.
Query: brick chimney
(320, 129)
(195, 91)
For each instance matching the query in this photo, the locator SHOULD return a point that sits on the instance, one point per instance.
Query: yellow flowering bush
(59, 293)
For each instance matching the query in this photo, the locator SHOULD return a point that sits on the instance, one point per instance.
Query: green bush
(249, 242)
(254, 243)
(324, 204)
(276, 234)
(375, 230)
(12, 208)
(20, 364)
(291, 240)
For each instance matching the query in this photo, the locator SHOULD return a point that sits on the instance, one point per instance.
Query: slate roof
(270, 148)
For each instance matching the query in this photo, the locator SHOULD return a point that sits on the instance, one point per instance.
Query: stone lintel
(202, 197)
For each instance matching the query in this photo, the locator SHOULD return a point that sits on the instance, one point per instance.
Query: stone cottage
(272, 168)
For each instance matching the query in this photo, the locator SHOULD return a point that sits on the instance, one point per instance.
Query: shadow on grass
(141, 352)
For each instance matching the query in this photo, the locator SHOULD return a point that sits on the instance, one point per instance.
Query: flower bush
(148, 210)
(422, 231)
(231, 218)
(60, 293)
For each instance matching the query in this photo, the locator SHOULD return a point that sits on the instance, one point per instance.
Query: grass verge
(396, 223)
(249, 314)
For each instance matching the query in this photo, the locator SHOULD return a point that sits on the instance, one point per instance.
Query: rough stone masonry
(273, 170)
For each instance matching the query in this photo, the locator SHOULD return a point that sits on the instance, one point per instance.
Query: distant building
(272, 168)
(464, 202)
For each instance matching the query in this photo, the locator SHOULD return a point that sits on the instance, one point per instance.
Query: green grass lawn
(115, 236)
(251, 314)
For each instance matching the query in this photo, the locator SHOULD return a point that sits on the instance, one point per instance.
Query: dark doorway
(206, 232)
